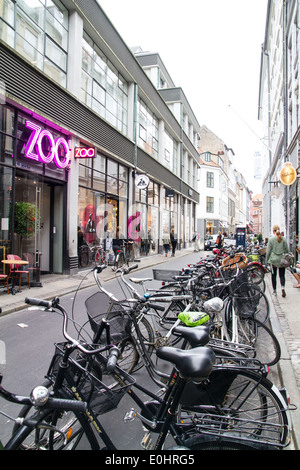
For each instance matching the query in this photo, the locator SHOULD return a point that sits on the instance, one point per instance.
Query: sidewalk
(285, 322)
(56, 285)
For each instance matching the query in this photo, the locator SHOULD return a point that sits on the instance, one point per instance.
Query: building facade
(279, 111)
(87, 142)
(224, 196)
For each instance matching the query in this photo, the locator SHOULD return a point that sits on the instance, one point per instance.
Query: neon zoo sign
(34, 149)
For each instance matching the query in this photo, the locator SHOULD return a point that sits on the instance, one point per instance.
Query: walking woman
(277, 246)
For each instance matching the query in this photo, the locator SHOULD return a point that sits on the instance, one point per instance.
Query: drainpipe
(285, 110)
(269, 127)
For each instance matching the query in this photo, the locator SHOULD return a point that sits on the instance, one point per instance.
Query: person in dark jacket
(173, 242)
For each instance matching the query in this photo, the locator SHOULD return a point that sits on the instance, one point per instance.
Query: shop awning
(250, 228)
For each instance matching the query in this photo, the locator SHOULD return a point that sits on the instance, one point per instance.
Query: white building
(279, 112)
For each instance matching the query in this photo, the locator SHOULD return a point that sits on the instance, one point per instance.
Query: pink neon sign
(34, 148)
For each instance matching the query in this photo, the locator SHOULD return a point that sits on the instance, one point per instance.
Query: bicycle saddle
(196, 362)
(196, 336)
(138, 280)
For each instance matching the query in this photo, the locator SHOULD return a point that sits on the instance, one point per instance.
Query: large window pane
(7, 11)
(56, 55)
(108, 90)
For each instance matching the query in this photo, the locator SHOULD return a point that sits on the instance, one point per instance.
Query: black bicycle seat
(196, 362)
(196, 336)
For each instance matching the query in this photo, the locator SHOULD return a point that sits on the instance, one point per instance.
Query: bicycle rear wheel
(120, 259)
(236, 404)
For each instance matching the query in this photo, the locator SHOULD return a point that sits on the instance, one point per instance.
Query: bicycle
(92, 254)
(238, 326)
(125, 254)
(265, 424)
(62, 423)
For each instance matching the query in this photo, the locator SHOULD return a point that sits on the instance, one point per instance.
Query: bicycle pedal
(130, 416)
(146, 442)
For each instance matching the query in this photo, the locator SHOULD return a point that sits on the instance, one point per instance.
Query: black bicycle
(76, 375)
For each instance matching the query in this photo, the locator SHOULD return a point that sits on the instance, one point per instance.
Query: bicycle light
(39, 396)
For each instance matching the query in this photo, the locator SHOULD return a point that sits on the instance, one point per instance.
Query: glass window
(209, 204)
(103, 88)
(209, 179)
(37, 29)
(7, 117)
(148, 129)
(170, 157)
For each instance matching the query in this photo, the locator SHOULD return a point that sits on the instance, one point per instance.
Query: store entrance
(38, 224)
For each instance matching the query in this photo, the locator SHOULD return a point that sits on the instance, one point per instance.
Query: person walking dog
(277, 246)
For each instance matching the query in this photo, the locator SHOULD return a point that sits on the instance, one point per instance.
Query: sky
(212, 50)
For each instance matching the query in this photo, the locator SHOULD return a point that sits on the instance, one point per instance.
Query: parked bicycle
(92, 254)
(125, 255)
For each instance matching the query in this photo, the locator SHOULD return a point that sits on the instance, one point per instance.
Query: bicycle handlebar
(49, 403)
(49, 304)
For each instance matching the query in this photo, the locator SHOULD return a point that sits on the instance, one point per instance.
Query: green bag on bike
(193, 318)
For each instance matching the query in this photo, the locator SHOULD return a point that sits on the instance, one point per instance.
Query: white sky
(212, 50)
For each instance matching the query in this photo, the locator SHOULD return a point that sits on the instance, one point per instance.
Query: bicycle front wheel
(71, 432)
(256, 334)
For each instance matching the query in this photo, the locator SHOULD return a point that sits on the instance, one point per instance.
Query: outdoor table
(14, 262)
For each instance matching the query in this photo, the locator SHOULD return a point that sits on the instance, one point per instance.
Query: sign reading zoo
(82, 152)
(58, 152)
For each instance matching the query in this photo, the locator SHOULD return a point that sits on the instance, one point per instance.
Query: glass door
(29, 218)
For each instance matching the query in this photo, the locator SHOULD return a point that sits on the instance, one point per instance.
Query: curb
(286, 372)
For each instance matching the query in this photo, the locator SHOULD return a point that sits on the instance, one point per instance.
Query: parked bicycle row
(207, 322)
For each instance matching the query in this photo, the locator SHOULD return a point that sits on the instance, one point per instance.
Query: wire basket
(100, 307)
(246, 300)
(87, 375)
(165, 275)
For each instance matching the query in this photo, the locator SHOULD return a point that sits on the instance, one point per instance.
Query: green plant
(25, 219)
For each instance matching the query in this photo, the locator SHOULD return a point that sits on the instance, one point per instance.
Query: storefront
(34, 159)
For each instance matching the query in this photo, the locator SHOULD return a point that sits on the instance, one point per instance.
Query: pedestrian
(296, 271)
(277, 246)
(219, 240)
(117, 245)
(173, 242)
(196, 241)
(166, 244)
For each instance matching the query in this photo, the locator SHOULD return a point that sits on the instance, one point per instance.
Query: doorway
(38, 223)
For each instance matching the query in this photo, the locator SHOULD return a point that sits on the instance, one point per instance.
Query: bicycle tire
(250, 301)
(238, 404)
(257, 334)
(84, 259)
(75, 425)
(120, 260)
(97, 257)
(223, 444)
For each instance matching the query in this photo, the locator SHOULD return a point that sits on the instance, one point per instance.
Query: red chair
(4, 278)
(17, 271)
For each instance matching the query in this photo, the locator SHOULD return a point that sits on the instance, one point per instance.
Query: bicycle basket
(97, 307)
(164, 274)
(246, 300)
(88, 380)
